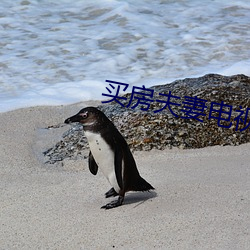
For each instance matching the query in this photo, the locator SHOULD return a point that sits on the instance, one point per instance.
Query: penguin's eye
(84, 115)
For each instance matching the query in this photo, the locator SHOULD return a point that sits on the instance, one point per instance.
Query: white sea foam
(60, 52)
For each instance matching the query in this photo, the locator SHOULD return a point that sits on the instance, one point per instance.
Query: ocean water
(61, 52)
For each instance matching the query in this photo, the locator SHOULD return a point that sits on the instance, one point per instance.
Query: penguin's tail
(141, 185)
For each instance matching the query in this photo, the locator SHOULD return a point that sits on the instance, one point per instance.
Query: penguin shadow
(137, 198)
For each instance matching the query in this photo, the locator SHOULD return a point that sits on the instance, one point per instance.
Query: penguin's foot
(111, 193)
(113, 204)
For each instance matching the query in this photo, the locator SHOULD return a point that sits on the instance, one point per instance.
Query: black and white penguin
(110, 152)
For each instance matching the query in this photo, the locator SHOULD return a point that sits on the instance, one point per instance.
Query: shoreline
(201, 198)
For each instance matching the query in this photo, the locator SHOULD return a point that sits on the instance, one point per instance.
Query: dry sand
(201, 201)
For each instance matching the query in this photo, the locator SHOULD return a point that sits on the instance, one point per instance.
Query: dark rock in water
(145, 130)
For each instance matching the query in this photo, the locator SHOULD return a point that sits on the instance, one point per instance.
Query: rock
(145, 130)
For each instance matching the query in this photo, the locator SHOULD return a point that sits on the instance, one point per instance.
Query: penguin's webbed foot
(113, 204)
(111, 193)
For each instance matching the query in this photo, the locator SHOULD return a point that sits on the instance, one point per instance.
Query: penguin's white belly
(104, 157)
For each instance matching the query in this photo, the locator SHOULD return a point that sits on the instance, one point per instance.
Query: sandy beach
(201, 198)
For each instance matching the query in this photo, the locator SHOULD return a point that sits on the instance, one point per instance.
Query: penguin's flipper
(118, 166)
(115, 203)
(111, 193)
(93, 167)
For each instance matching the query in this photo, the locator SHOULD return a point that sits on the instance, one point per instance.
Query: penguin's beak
(74, 118)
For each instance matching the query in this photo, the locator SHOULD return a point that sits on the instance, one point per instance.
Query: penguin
(110, 152)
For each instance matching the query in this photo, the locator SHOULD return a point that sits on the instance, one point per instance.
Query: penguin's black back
(131, 178)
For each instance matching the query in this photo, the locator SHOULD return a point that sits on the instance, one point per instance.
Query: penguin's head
(88, 117)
